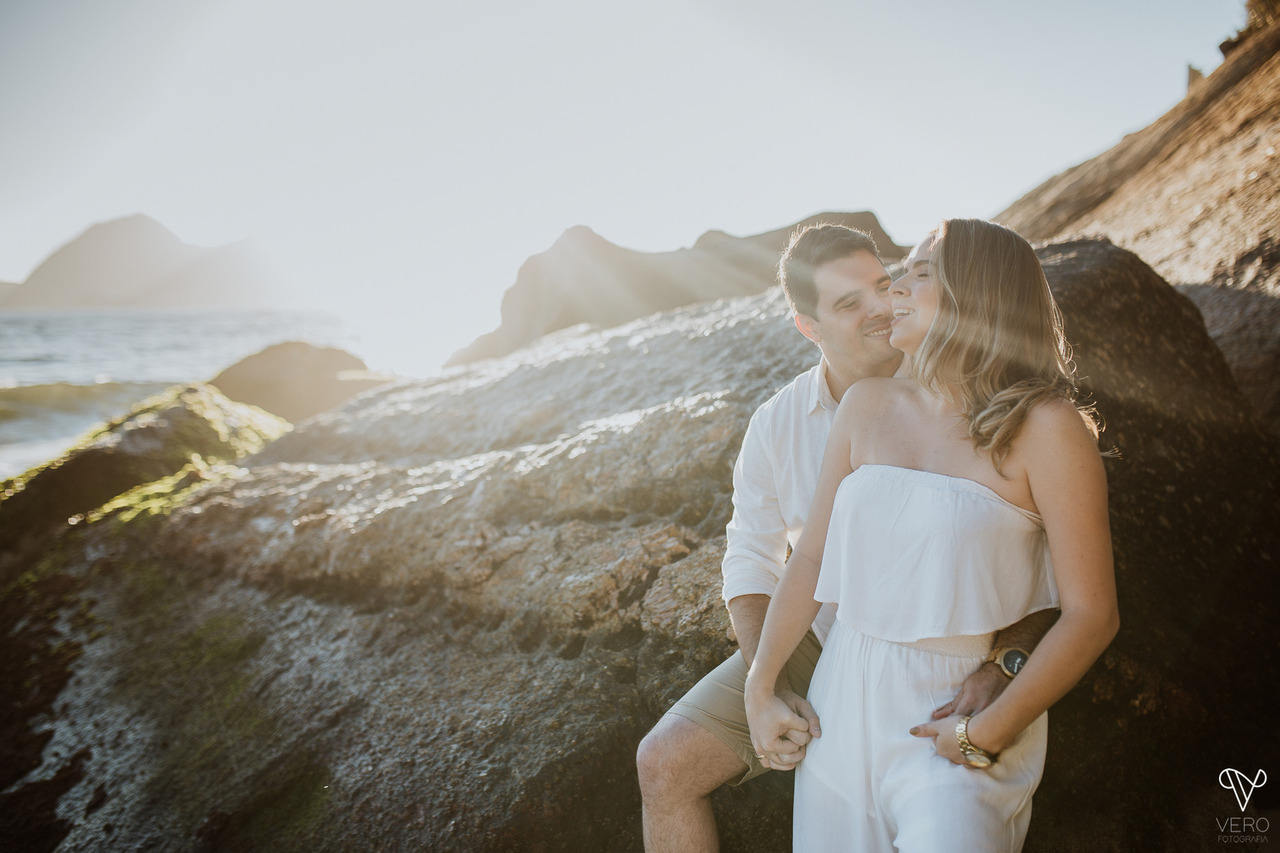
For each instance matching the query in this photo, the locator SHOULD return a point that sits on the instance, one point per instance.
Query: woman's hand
(780, 727)
(943, 734)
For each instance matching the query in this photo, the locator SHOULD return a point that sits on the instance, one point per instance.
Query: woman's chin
(903, 343)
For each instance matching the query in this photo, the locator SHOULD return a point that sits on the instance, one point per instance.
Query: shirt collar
(820, 396)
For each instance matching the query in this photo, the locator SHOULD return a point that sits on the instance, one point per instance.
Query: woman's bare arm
(1068, 483)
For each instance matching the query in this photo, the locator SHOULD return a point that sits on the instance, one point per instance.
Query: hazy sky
(404, 158)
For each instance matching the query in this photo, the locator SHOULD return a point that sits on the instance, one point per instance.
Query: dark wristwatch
(1009, 659)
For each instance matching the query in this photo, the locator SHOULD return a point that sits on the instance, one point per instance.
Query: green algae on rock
(159, 437)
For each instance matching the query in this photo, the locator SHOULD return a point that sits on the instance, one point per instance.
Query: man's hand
(979, 690)
(985, 684)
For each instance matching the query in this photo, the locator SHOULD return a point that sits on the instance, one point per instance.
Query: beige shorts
(716, 702)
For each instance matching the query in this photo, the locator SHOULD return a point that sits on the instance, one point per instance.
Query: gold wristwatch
(973, 756)
(1010, 659)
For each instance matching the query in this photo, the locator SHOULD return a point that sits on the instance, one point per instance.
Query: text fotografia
(1243, 829)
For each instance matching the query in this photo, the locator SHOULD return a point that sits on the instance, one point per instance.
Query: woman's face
(914, 298)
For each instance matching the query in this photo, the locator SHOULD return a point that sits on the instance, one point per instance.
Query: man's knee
(658, 754)
(679, 757)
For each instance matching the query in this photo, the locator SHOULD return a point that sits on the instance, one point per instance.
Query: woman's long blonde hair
(996, 346)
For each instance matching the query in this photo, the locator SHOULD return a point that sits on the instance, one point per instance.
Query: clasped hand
(782, 724)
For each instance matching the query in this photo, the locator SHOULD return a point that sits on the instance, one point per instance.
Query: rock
(1196, 193)
(1243, 324)
(584, 278)
(169, 438)
(1192, 498)
(156, 439)
(296, 380)
(444, 615)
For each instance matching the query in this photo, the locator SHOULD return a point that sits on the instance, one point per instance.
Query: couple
(956, 506)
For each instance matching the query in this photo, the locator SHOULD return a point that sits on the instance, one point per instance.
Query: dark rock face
(1243, 323)
(443, 616)
(584, 278)
(296, 380)
(1193, 495)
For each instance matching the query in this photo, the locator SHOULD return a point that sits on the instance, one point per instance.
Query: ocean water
(62, 373)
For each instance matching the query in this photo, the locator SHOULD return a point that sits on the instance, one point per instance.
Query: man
(837, 288)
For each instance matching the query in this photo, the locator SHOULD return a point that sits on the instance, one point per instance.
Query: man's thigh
(716, 703)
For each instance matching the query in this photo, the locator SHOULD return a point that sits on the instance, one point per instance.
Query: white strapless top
(913, 554)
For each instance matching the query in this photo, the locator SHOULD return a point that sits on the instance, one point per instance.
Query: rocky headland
(1197, 195)
(135, 262)
(443, 614)
(584, 278)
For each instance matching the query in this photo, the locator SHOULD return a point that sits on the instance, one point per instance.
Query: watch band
(974, 756)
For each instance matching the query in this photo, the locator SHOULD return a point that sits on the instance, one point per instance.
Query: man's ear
(808, 327)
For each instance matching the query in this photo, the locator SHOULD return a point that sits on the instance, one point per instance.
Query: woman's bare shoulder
(876, 390)
(871, 399)
(1057, 422)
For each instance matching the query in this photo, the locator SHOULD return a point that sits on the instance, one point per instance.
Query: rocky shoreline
(443, 614)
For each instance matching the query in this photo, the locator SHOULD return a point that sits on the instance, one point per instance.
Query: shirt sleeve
(757, 535)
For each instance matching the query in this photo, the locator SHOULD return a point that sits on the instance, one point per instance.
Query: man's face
(851, 325)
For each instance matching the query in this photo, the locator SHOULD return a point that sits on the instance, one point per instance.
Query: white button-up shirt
(773, 484)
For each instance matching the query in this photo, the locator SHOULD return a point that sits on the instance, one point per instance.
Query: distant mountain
(135, 262)
(583, 278)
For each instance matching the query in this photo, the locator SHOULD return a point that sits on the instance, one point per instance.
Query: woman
(952, 502)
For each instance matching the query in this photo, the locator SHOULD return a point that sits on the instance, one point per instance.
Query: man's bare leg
(680, 763)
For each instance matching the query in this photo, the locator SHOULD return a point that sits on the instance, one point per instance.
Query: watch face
(977, 759)
(1013, 661)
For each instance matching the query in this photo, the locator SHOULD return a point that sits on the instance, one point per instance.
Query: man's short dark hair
(810, 248)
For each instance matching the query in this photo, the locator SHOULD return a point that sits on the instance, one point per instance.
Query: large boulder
(296, 380)
(1244, 325)
(128, 466)
(444, 616)
(156, 439)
